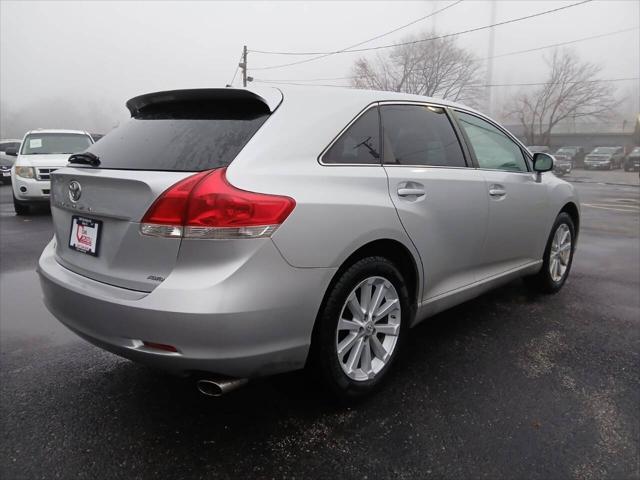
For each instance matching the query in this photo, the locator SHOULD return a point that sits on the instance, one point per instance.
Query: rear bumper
(256, 321)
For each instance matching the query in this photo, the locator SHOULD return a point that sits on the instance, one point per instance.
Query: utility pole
(435, 19)
(490, 61)
(243, 65)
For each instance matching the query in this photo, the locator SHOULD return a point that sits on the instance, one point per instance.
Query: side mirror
(12, 151)
(542, 162)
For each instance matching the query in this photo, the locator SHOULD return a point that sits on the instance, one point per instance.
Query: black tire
(20, 208)
(542, 281)
(323, 355)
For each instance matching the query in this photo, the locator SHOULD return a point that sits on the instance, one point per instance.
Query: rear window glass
(52, 143)
(181, 136)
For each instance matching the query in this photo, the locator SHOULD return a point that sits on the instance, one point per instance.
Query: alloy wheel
(368, 328)
(560, 253)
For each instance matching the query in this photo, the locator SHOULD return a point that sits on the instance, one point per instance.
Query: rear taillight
(206, 205)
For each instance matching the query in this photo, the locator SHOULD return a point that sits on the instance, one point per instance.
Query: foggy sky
(74, 64)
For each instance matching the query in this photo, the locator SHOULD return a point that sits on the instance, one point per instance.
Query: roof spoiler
(271, 97)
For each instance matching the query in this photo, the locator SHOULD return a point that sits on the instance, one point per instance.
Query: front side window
(419, 135)
(359, 144)
(53, 143)
(493, 149)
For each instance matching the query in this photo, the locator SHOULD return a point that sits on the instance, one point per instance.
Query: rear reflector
(160, 346)
(206, 205)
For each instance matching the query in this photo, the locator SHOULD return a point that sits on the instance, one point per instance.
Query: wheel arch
(571, 209)
(396, 252)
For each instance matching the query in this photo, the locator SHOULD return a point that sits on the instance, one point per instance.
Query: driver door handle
(407, 192)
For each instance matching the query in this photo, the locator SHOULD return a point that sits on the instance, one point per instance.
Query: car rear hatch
(97, 209)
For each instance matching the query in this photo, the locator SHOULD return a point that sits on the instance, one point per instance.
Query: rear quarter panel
(338, 208)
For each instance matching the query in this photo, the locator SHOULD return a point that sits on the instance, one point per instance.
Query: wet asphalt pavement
(509, 385)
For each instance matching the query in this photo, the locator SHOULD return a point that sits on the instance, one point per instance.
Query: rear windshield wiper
(86, 158)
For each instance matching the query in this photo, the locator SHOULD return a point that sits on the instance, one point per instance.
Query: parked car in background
(539, 149)
(632, 162)
(41, 153)
(563, 163)
(240, 233)
(575, 154)
(9, 143)
(604, 158)
(6, 161)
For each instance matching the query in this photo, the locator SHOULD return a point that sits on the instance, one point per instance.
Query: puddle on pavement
(24, 320)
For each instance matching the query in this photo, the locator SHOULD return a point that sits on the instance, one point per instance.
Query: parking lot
(509, 385)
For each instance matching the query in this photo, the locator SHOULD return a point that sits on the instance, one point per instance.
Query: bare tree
(571, 91)
(436, 68)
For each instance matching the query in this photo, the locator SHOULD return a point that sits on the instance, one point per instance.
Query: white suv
(42, 152)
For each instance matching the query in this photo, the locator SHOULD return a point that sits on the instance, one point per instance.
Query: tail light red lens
(170, 207)
(206, 205)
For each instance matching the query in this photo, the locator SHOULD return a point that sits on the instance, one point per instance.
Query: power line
(268, 82)
(413, 42)
(557, 83)
(478, 85)
(364, 41)
(562, 43)
(518, 52)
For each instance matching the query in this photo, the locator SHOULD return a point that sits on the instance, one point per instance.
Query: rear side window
(359, 144)
(182, 136)
(419, 135)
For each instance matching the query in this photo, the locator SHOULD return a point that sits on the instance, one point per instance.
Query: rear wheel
(361, 327)
(558, 256)
(20, 208)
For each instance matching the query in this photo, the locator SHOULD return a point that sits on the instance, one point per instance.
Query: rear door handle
(407, 192)
(497, 191)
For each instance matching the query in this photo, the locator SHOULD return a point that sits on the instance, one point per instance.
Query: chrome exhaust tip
(217, 388)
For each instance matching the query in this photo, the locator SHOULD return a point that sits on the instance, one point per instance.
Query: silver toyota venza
(235, 233)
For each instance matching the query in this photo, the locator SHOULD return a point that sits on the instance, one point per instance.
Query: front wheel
(558, 256)
(361, 327)
(20, 208)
